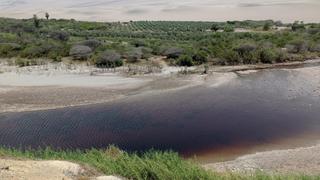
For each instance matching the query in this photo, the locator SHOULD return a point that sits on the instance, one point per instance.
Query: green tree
(228, 29)
(215, 27)
(47, 15)
(297, 26)
(36, 21)
(266, 26)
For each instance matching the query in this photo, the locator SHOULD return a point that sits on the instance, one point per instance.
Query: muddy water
(263, 108)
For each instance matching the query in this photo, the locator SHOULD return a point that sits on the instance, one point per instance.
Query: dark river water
(259, 108)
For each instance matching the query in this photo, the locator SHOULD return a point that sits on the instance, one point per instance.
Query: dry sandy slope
(49, 170)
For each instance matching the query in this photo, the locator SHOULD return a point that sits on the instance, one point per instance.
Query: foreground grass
(150, 165)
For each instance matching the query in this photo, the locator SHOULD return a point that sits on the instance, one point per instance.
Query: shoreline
(53, 87)
(301, 160)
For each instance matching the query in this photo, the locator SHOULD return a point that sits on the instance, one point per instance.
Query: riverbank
(58, 85)
(92, 164)
(50, 89)
(303, 160)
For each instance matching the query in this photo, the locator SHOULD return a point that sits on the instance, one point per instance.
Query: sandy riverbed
(59, 85)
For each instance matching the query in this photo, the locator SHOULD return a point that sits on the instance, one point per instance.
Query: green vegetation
(220, 43)
(149, 165)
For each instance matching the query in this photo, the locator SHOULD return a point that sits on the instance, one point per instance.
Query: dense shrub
(139, 43)
(230, 57)
(92, 43)
(215, 27)
(35, 51)
(26, 62)
(108, 59)
(80, 52)
(134, 55)
(245, 49)
(9, 49)
(228, 29)
(173, 52)
(200, 57)
(146, 52)
(251, 57)
(315, 48)
(297, 26)
(51, 39)
(281, 56)
(266, 26)
(185, 60)
(297, 46)
(59, 35)
(267, 56)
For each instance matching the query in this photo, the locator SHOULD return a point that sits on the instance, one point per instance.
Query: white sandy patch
(61, 74)
(80, 80)
(247, 72)
(38, 170)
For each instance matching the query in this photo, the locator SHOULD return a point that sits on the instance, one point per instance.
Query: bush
(298, 26)
(215, 27)
(185, 60)
(315, 48)
(134, 55)
(80, 52)
(281, 56)
(200, 57)
(92, 43)
(9, 49)
(297, 46)
(108, 59)
(59, 35)
(25, 62)
(250, 57)
(267, 56)
(228, 29)
(266, 26)
(173, 52)
(248, 53)
(246, 48)
(231, 58)
(34, 52)
(138, 43)
(146, 52)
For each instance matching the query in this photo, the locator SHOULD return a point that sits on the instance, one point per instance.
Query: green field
(182, 43)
